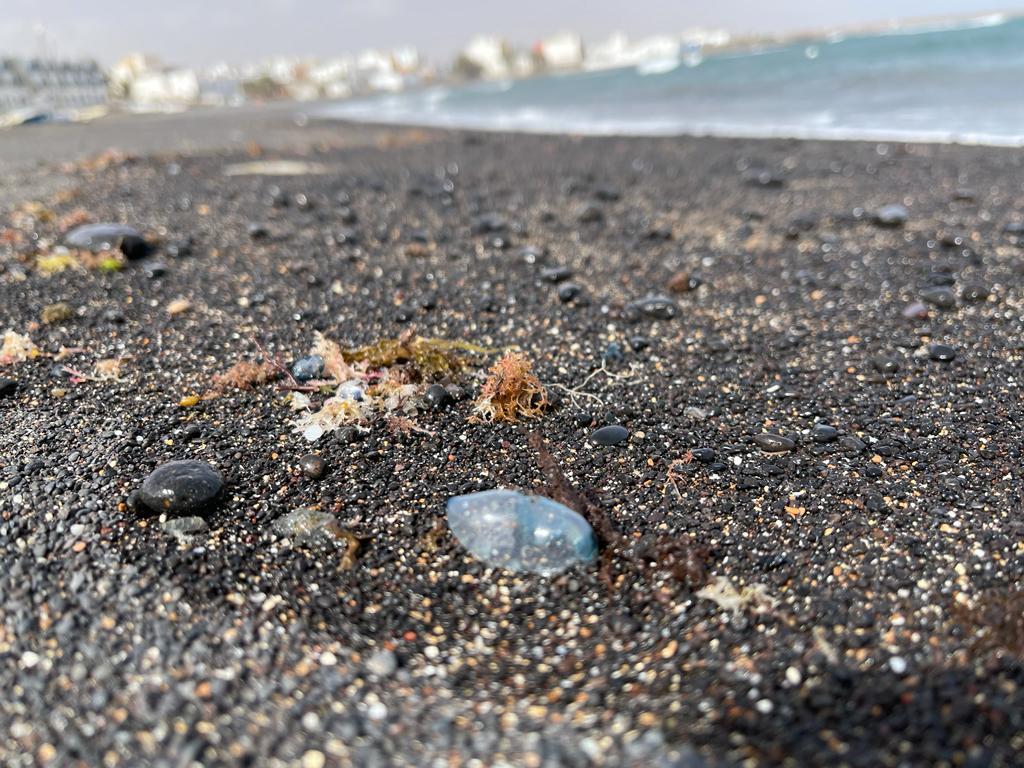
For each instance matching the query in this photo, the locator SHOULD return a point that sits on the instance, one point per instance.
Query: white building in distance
(490, 55)
(44, 85)
(561, 52)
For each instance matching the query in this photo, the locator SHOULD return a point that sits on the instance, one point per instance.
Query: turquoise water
(963, 83)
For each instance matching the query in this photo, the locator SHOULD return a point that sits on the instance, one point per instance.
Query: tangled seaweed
(511, 392)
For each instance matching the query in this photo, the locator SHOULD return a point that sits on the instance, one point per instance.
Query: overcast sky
(201, 32)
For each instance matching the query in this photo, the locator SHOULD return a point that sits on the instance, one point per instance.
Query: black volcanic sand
(890, 633)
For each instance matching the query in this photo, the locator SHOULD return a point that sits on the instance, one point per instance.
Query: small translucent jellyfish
(519, 532)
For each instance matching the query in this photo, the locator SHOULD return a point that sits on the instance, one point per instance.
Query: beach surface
(779, 593)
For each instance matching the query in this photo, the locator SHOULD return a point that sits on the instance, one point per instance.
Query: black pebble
(258, 231)
(612, 434)
(852, 444)
(8, 387)
(567, 292)
(942, 352)
(312, 466)
(943, 298)
(555, 274)
(703, 455)
(975, 292)
(771, 443)
(437, 397)
(181, 487)
(824, 433)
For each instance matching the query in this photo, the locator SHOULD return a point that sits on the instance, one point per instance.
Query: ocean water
(957, 83)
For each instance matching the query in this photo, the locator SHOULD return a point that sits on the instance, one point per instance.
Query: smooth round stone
(258, 231)
(313, 466)
(824, 433)
(942, 353)
(7, 387)
(772, 443)
(567, 292)
(555, 274)
(99, 237)
(308, 368)
(894, 215)
(520, 532)
(613, 434)
(181, 487)
(437, 397)
(653, 307)
(154, 269)
(940, 297)
(885, 364)
(975, 292)
(915, 311)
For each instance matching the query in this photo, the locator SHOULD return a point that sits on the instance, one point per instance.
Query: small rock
(975, 292)
(555, 274)
(941, 297)
(437, 397)
(313, 466)
(489, 224)
(943, 353)
(884, 364)
(179, 248)
(654, 307)
(308, 368)
(824, 433)
(181, 487)
(852, 444)
(613, 434)
(383, 663)
(258, 231)
(107, 237)
(684, 282)
(590, 213)
(894, 215)
(531, 254)
(703, 455)
(154, 269)
(915, 311)
(567, 292)
(759, 177)
(772, 443)
(8, 387)
(184, 528)
(639, 343)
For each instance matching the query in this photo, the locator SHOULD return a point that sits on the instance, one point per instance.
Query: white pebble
(898, 665)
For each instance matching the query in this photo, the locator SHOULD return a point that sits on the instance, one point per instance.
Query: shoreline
(845, 597)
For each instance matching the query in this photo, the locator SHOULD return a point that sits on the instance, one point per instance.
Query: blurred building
(560, 52)
(44, 86)
(486, 56)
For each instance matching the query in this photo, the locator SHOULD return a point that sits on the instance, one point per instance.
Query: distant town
(34, 90)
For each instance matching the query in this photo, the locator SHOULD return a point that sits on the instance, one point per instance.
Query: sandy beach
(844, 596)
